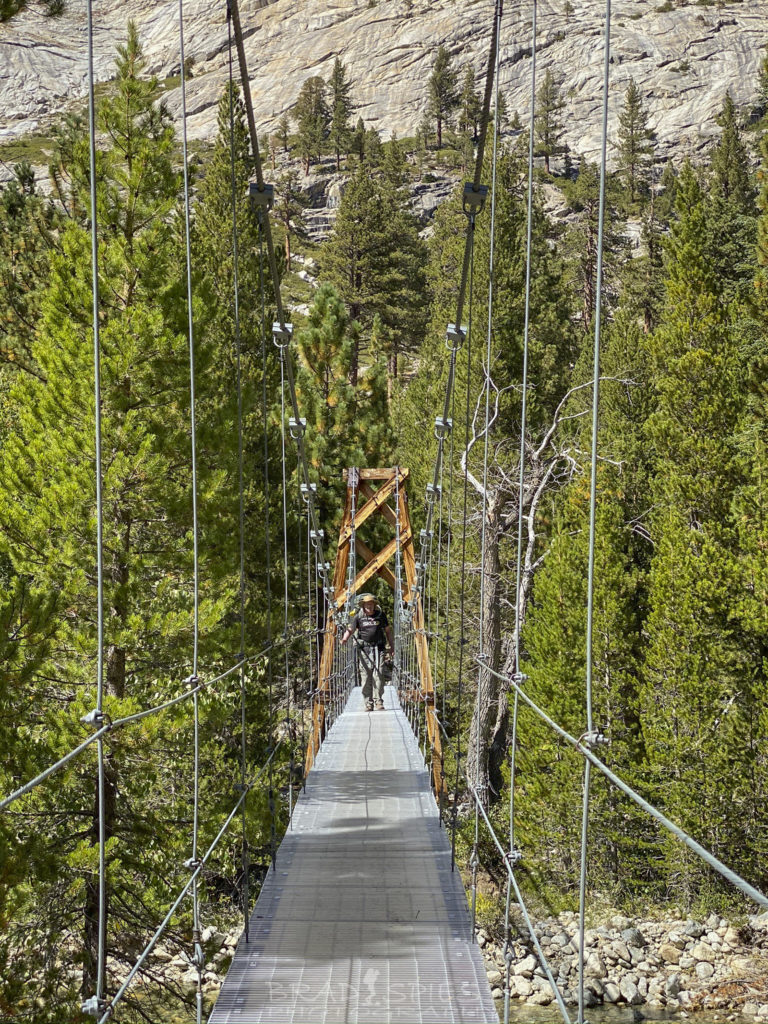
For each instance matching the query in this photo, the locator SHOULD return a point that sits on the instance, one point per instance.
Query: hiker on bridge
(374, 631)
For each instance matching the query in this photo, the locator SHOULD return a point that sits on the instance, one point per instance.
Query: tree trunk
(488, 712)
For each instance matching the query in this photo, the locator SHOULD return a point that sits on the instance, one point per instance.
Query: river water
(522, 1014)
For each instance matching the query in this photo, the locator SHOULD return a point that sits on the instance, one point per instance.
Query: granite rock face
(682, 60)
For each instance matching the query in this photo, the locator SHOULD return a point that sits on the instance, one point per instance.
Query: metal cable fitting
(261, 197)
(297, 427)
(94, 1006)
(443, 427)
(513, 857)
(519, 678)
(191, 681)
(595, 738)
(473, 199)
(96, 719)
(282, 334)
(455, 336)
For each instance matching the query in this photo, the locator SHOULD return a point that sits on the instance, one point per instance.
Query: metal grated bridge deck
(362, 920)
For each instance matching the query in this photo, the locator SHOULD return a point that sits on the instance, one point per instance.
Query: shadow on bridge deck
(362, 919)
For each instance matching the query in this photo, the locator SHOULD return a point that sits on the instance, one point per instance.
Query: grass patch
(37, 149)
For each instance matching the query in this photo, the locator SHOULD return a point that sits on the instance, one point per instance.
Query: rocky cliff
(682, 59)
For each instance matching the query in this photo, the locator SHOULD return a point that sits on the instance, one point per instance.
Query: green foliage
(548, 123)
(341, 107)
(313, 120)
(375, 259)
(442, 92)
(635, 144)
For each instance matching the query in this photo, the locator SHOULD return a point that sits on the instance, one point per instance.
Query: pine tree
(470, 105)
(340, 133)
(312, 119)
(732, 205)
(696, 700)
(376, 259)
(583, 237)
(373, 150)
(290, 203)
(284, 131)
(548, 124)
(358, 140)
(48, 538)
(635, 143)
(442, 92)
(327, 347)
(27, 224)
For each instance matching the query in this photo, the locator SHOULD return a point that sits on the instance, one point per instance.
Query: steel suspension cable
(98, 717)
(483, 654)
(244, 854)
(593, 501)
(198, 953)
(582, 748)
(520, 516)
(267, 535)
(462, 590)
(285, 587)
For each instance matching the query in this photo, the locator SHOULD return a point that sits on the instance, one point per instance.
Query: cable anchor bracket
(455, 336)
(297, 427)
(473, 199)
(263, 197)
(443, 427)
(282, 334)
(513, 857)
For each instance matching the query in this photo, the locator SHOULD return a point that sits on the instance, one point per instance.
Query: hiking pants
(373, 684)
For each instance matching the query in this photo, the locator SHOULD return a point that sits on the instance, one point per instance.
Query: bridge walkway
(362, 919)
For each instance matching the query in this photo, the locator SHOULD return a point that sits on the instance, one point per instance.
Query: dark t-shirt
(371, 628)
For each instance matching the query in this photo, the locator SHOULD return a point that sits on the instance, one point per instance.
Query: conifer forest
(680, 643)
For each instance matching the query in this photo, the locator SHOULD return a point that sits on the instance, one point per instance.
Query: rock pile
(682, 965)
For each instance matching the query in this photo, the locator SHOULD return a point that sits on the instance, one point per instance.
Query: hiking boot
(369, 705)
(379, 705)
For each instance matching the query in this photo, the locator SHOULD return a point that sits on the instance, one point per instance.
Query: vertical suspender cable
(289, 739)
(593, 501)
(462, 592)
(267, 542)
(102, 931)
(240, 483)
(193, 431)
(520, 517)
(483, 654)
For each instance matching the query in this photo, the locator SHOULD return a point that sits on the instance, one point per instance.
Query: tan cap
(365, 598)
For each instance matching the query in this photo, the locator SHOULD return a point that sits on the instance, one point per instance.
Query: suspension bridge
(363, 916)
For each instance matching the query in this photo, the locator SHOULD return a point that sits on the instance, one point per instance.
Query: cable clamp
(308, 491)
(443, 427)
(474, 860)
(455, 336)
(474, 198)
(425, 535)
(594, 739)
(94, 1006)
(96, 719)
(263, 197)
(198, 956)
(192, 863)
(282, 334)
(513, 857)
(241, 787)
(297, 427)
(191, 681)
(483, 657)
(315, 536)
(433, 491)
(519, 678)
